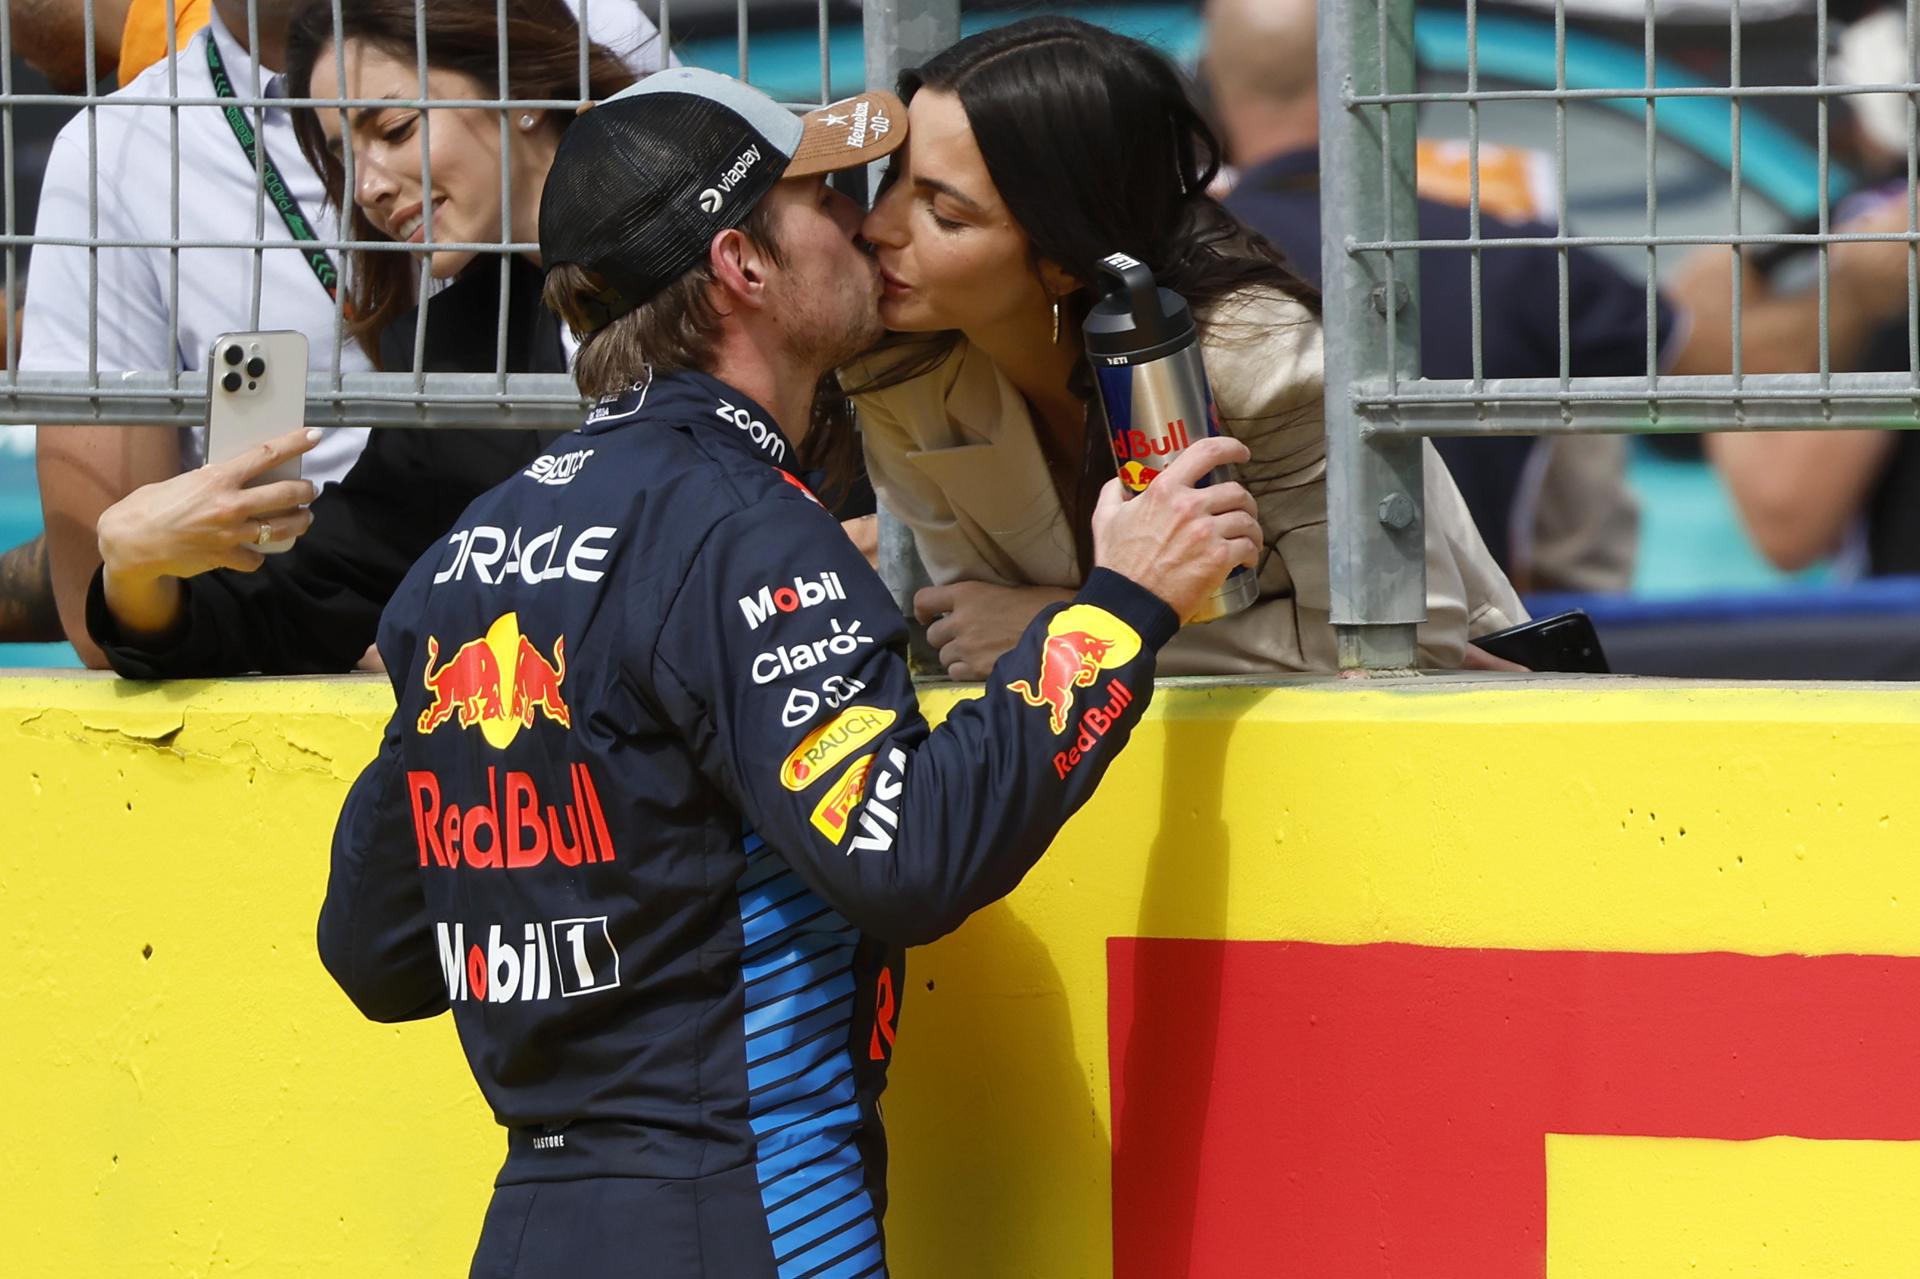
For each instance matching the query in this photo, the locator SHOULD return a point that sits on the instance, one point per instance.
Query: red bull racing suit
(655, 817)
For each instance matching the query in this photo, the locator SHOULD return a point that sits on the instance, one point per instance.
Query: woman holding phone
(1034, 150)
(184, 589)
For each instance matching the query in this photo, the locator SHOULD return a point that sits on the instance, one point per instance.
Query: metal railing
(1379, 408)
(341, 390)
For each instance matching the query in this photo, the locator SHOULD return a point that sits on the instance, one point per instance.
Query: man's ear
(739, 266)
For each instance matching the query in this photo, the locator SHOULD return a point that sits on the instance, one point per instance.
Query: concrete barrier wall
(1582, 978)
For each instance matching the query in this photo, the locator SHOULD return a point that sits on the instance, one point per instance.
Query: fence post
(905, 33)
(1375, 504)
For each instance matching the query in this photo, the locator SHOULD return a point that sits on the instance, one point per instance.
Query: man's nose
(845, 210)
(882, 225)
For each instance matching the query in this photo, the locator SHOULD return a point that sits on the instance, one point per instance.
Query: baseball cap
(643, 181)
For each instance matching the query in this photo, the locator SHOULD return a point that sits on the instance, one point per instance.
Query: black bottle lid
(1134, 320)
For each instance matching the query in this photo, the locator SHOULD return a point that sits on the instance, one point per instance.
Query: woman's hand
(208, 518)
(972, 623)
(197, 521)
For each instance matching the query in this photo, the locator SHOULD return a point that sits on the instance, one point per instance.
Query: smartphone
(256, 389)
(1563, 642)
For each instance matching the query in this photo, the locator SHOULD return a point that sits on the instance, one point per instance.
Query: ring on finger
(265, 535)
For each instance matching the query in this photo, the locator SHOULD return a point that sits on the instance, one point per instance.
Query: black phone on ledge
(1563, 642)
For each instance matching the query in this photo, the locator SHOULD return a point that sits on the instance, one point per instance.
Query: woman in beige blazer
(1034, 150)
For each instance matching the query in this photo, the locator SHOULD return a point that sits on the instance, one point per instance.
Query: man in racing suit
(657, 810)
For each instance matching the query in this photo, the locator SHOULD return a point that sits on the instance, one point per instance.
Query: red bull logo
(1137, 475)
(1081, 642)
(496, 682)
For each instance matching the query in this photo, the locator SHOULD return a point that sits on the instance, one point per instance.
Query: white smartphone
(256, 389)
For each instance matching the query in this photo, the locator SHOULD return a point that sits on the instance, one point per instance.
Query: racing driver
(657, 811)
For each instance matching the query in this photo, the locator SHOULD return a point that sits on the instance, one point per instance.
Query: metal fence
(339, 393)
(1378, 406)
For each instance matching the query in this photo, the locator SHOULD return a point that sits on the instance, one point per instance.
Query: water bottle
(1153, 388)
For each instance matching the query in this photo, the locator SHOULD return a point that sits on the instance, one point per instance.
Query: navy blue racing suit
(655, 817)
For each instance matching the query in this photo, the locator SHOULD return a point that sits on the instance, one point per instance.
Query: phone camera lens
(256, 366)
(231, 382)
(233, 354)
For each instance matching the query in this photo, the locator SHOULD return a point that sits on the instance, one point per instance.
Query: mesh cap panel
(636, 195)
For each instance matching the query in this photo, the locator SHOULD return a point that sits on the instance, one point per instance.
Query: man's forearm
(28, 614)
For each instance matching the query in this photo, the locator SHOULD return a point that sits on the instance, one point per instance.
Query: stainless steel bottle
(1153, 387)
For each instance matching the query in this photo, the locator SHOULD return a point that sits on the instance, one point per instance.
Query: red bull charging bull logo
(1137, 475)
(496, 682)
(1081, 642)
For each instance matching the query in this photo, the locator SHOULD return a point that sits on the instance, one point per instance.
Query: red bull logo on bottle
(497, 683)
(1081, 642)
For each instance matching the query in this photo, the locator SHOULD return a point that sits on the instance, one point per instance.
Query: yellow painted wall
(186, 1094)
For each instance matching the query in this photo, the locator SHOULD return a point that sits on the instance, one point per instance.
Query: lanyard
(276, 187)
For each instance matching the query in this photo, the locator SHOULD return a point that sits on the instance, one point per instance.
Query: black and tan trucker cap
(643, 181)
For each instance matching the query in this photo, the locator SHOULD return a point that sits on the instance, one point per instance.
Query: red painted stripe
(1360, 1111)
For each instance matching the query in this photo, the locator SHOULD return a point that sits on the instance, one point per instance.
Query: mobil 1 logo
(563, 958)
(801, 592)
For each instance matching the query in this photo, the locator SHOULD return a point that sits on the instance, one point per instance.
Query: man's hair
(672, 331)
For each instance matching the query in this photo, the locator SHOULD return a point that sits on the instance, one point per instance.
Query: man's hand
(196, 522)
(1176, 540)
(972, 623)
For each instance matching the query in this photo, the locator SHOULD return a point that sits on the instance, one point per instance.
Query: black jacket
(658, 810)
(314, 609)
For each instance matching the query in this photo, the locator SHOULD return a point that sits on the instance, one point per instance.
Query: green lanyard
(276, 187)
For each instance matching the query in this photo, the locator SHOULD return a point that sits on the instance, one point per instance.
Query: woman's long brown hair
(543, 61)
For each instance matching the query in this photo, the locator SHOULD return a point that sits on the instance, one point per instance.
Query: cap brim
(849, 133)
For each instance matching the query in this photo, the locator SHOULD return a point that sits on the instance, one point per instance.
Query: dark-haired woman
(184, 591)
(1034, 150)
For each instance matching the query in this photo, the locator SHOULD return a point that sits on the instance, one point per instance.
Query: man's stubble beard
(829, 331)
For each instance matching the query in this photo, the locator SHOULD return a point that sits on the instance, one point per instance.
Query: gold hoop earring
(1056, 321)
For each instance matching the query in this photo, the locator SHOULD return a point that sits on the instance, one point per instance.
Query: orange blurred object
(1515, 183)
(143, 41)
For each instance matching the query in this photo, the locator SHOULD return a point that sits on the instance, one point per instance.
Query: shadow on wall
(1187, 876)
(999, 1060)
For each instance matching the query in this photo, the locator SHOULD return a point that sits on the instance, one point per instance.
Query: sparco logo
(558, 470)
(787, 599)
(577, 955)
(757, 431)
(714, 196)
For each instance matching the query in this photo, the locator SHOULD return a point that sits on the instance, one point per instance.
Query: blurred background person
(1805, 496)
(51, 37)
(182, 590)
(85, 469)
(1556, 512)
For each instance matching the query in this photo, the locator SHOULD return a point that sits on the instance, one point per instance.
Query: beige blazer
(953, 454)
